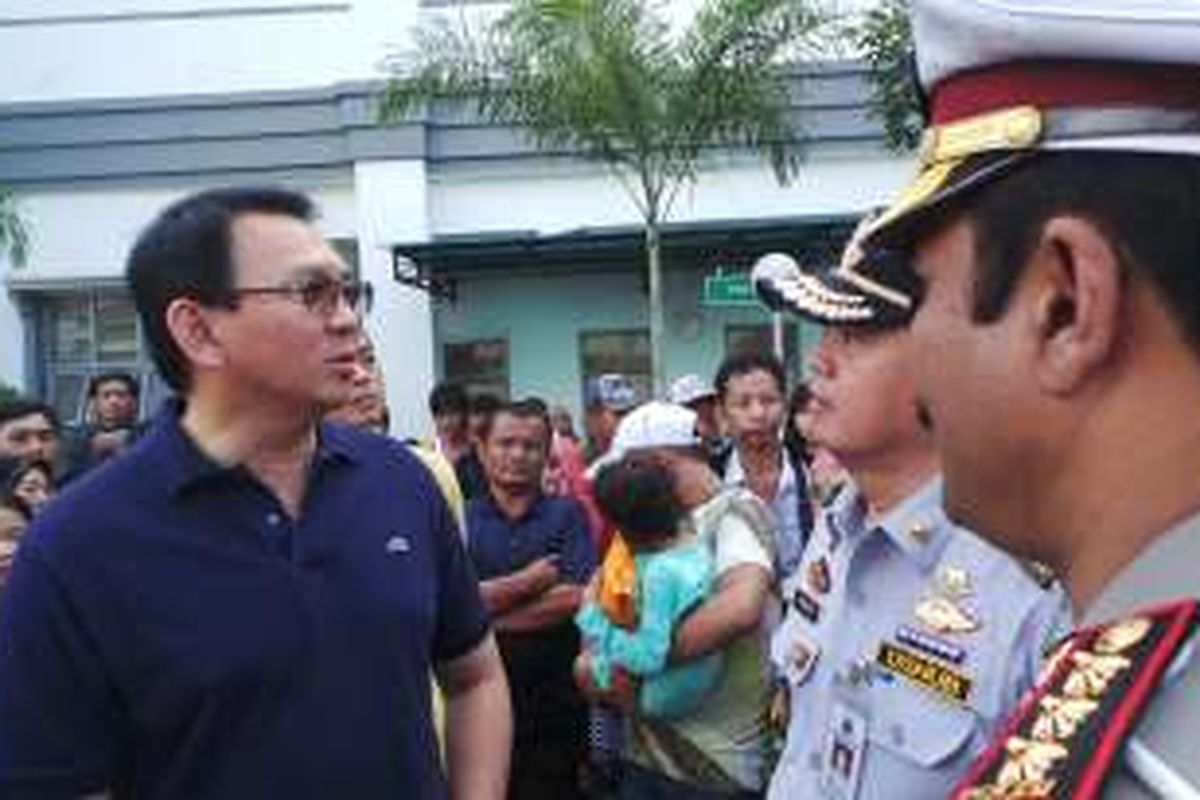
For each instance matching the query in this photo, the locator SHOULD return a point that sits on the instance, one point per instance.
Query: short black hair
(637, 494)
(744, 363)
(448, 397)
(484, 403)
(113, 376)
(1146, 205)
(186, 252)
(530, 407)
(23, 407)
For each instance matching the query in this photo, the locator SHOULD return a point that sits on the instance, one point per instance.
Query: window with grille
(85, 332)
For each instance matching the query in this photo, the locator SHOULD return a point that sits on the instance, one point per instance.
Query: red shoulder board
(1069, 729)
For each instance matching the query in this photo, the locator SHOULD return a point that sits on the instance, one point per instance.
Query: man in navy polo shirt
(248, 603)
(534, 553)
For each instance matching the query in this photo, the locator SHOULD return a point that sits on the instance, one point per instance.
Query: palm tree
(883, 34)
(14, 234)
(613, 81)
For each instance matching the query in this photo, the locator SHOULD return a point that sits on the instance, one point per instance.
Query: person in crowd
(450, 408)
(1057, 339)
(26, 486)
(248, 602)
(674, 576)
(534, 554)
(608, 397)
(692, 391)
(907, 639)
(721, 749)
(367, 407)
(469, 468)
(12, 528)
(111, 423)
(30, 430)
(563, 424)
(750, 389)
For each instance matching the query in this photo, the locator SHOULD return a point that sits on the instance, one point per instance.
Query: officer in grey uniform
(907, 639)
(1053, 236)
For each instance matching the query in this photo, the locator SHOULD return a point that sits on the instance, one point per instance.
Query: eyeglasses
(321, 295)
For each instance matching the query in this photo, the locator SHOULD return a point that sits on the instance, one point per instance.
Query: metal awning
(439, 263)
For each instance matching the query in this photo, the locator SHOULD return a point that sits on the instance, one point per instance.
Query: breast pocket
(919, 726)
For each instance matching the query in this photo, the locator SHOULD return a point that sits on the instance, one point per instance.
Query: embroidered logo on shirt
(398, 544)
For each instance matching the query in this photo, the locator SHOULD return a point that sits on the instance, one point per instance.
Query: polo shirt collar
(185, 464)
(493, 508)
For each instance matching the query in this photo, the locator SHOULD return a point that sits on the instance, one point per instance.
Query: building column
(392, 206)
(14, 366)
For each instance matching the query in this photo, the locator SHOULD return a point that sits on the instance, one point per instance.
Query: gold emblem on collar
(921, 532)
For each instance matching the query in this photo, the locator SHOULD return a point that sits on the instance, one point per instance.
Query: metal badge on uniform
(799, 659)
(921, 532)
(845, 747)
(945, 615)
(955, 582)
(809, 608)
(817, 575)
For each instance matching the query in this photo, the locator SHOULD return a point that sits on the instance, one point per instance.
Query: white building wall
(77, 49)
(393, 207)
(548, 200)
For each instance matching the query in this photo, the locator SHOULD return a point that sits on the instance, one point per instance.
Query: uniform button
(274, 519)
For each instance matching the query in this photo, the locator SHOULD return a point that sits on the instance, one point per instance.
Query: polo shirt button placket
(278, 535)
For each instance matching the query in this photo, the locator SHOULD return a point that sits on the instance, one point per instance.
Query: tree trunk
(657, 326)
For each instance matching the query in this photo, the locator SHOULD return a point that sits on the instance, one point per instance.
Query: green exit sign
(732, 289)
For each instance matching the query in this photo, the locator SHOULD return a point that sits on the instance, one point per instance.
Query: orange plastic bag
(617, 595)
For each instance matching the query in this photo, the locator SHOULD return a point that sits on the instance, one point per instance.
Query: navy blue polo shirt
(552, 526)
(169, 632)
(546, 705)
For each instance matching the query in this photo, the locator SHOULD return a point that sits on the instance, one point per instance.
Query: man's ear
(192, 329)
(1076, 280)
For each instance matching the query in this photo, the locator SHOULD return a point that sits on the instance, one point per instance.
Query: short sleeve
(736, 544)
(59, 719)
(462, 621)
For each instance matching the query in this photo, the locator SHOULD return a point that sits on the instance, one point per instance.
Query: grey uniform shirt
(1163, 759)
(906, 642)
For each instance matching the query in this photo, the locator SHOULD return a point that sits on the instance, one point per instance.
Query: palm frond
(14, 231)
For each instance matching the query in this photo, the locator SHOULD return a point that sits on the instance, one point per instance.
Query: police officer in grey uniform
(1053, 232)
(907, 639)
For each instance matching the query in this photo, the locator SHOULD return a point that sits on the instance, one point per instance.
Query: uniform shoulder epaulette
(1067, 732)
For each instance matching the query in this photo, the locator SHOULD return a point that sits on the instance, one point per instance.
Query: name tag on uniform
(925, 672)
(845, 747)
